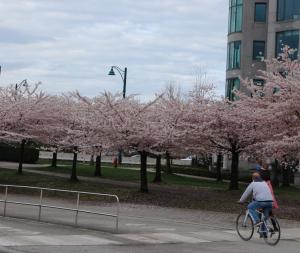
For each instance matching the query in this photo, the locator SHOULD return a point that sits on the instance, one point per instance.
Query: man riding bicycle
(262, 198)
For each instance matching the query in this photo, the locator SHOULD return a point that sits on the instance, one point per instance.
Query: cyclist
(262, 198)
(266, 176)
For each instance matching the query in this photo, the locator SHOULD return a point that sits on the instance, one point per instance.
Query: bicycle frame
(266, 227)
(246, 216)
(262, 219)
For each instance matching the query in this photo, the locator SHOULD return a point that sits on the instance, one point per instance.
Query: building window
(288, 10)
(260, 12)
(258, 82)
(287, 38)
(232, 85)
(258, 50)
(235, 15)
(258, 91)
(234, 55)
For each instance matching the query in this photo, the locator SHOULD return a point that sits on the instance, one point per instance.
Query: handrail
(40, 205)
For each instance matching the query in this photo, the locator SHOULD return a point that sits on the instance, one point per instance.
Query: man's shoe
(263, 235)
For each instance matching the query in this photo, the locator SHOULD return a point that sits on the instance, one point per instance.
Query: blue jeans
(265, 205)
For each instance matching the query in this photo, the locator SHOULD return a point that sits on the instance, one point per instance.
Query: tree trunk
(168, 159)
(98, 172)
(22, 149)
(286, 176)
(157, 178)
(144, 181)
(54, 159)
(219, 167)
(234, 178)
(195, 162)
(275, 169)
(74, 170)
(120, 156)
(92, 160)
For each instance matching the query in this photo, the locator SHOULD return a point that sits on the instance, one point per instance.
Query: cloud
(71, 44)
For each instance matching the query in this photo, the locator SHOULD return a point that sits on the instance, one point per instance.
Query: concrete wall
(297, 179)
(127, 160)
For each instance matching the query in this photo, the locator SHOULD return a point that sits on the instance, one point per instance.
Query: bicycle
(269, 229)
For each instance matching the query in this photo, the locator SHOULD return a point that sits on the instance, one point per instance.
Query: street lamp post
(123, 74)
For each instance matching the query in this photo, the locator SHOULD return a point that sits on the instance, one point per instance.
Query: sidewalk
(143, 229)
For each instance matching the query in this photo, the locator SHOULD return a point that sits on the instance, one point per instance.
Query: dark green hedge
(12, 154)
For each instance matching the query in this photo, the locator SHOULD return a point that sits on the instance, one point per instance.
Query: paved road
(142, 229)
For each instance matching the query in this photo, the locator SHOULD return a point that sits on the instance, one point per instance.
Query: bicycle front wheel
(244, 226)
(273, 231)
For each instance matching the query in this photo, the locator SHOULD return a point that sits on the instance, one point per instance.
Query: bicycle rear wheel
(244, 226)
(273, 231)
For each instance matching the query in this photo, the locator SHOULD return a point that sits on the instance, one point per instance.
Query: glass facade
(288, 10)
(232, 85)
(234, 55)
(258, 50)
(260, 12)
(287, 38)
(235, 15)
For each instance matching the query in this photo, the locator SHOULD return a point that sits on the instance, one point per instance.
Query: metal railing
(77, 210)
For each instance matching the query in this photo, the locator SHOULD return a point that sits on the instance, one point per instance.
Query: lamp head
(111, 72)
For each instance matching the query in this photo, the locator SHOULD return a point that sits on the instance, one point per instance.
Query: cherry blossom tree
(167, 114)
(264, 120)
(278, 100)
(20, 107)
(96, 120)
(126, 126)
(30, 114)
(228, 127)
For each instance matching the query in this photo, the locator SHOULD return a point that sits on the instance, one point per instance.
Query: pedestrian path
(190, 237)
(54, 240)
(123, 239)
(13, 236)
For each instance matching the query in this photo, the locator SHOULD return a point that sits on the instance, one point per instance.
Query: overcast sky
(71, 44)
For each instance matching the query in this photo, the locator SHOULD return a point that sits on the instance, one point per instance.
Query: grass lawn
(180, 197)
(124, 173)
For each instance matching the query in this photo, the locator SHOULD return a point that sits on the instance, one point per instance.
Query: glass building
(258, 30)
